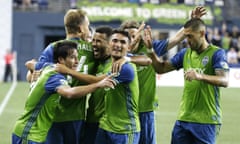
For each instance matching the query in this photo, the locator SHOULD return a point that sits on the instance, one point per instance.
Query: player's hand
(198, 12)
(35, 75)
(192, 75)
(117, 65)
(148, 37)
(107, 82)
(31, 65)
(62, 69)
(137, 38)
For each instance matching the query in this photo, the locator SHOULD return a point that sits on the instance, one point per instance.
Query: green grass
(169, 98)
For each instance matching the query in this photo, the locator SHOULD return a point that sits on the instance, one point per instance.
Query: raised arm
(197, 12)
(137, 38)
(158, 65)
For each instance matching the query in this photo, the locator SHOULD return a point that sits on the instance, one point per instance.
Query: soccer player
(43, 99)
(148, 100)
(120, 121)
(205, 71)
(69, 122)
(102, 56)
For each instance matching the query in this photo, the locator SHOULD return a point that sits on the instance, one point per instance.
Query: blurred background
(27, 26)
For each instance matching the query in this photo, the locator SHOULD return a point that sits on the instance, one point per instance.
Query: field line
(12, 88)
(7, 97)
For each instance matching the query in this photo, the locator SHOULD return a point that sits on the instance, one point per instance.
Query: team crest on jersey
(205, 60)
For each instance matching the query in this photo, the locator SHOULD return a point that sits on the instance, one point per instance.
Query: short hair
(121, 31)
(62, 49)
(195, 24)
(130, 24)
(107, 30)
(73, 18)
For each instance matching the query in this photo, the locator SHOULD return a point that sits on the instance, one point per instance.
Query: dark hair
(129, 24)
(195, 24)
(121, 31)
(107, 30)
(62, 49)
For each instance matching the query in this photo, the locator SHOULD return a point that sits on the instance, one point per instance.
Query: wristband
(128, 59)
(150, 51)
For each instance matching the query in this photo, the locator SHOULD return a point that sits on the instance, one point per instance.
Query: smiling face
(71, 61)
(119, 44)
(100, 46)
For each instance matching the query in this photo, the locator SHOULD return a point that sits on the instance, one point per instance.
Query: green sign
(162, 13)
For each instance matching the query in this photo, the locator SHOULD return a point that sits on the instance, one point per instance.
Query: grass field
(169, 98)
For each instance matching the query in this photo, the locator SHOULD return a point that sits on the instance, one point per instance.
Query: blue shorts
(90, 132)
(105, 137)
(66, 132)
(147, 134)
(17, 140)
(194, 133)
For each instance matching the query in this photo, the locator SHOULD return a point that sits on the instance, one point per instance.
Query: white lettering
(169, 13)
(143, 12)
(109, 11)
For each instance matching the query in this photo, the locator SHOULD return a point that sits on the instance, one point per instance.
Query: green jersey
(148, 100)
(96, 101)
(40, 107)
(74, 109)
(201, 101)
(121, 103)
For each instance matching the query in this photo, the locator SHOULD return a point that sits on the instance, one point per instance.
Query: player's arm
(137, 38)
(220, 79)
(80, 91)
(197, 12)
(80, 76)
(158, 65)
(30, 66)
(142, 60)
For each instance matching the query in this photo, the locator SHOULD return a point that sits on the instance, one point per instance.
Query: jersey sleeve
(160, 47)
(220, 60)
(45, 57)
(54, 82)
(177, 59)
(126, 74)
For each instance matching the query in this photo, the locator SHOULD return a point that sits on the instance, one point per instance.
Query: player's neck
(203, 47)
(72, 36)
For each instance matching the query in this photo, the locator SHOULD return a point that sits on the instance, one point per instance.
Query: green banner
(162, 13)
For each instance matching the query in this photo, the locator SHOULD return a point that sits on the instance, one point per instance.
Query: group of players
(114, 71)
